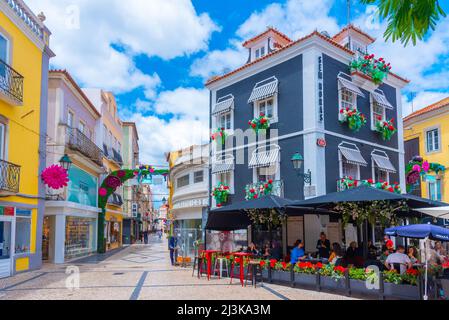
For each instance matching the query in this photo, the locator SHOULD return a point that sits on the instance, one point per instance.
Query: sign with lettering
(7, 211)
(320, 87)
(23, 213)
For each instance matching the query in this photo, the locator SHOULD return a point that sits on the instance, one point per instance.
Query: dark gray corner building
(301, 86)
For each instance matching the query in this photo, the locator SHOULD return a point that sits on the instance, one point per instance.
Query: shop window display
(80, 238)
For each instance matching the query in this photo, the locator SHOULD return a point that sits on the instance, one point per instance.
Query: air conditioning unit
(134, 209)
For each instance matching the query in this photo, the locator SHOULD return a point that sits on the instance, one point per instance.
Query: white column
(400, 124)
(60, 231)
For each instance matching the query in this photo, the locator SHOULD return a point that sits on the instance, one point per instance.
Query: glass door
(5, 248)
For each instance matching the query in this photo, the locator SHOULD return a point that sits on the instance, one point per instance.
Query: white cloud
(84, 34)
(295, 18)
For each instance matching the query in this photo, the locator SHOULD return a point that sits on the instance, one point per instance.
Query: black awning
(366, 194)
(229, 221)
(267, 202)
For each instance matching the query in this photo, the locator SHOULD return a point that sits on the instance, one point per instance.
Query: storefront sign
(7, 211)
(321, 143)
(23, 213)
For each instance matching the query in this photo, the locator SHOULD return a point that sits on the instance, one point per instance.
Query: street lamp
(65, 162)
(298, 162)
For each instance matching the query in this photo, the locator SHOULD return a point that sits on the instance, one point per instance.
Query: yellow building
(24, 60)
(171, 158)
(426, 135)
(111, 141)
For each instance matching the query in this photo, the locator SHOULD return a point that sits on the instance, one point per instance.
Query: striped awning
(222, 167)
(264, 159)
(348, 85)
(223, 105)
(264, 89)
(380, 99)
(383, 163)
(353, 155)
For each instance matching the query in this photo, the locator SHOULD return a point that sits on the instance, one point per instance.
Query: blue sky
(155, 55)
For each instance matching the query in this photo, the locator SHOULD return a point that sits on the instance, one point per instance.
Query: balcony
(278, 187)
(9, 177)
(11, 85)
(79, 142)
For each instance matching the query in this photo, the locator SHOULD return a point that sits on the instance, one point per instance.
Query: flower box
(332, 284)
(303, 279)
(281, 276)
(403, 291)
(359, 286)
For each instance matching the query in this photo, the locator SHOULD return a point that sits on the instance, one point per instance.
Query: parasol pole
(426, 297)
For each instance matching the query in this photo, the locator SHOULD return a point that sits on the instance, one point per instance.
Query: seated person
(298, 252)
(323, 246)
(372, 251)
(276, 251)
(384, 255)
(412, 253)
(351, 253)
(252, 249)
(399, 258)
(337, 254)
(267, 251)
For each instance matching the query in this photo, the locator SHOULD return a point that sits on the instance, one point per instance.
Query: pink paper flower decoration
(113, 182)
(55, 177)
(121, 174)
(416, 168)
(426, 166)
(152, 170)
(136, 173)
(103, 192)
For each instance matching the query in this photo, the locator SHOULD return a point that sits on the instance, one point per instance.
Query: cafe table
(208, 255)
(241, 256)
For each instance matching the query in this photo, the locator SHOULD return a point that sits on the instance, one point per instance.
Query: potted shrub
(306, 273)
(402, 286)
(221, 193)
(332, 278)
(354, 118)
(386, 129)
(358, 278)
(260, 123)
(281, 272)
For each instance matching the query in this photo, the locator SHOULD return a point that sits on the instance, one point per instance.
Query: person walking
(172, 244)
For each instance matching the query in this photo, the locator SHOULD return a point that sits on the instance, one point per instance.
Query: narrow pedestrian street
(138, 273)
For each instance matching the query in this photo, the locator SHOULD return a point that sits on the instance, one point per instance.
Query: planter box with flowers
(281, 272)
(221, 194)
(219, 135)
(350, 183)
(354, 118)
(260, 123)
(402, 286)
(333, 278)
(306, 273)
(369, 72)
(386, 129)
(359, 280)
(259, 190)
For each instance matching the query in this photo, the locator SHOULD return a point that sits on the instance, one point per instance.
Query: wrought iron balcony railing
(11, 83)
(9, 177)
(278, 187)
(79, 142)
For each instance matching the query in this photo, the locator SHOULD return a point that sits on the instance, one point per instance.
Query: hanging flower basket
(221, 193)
(55, 177)
(260, 123)
(386, 128)
(418, 167)
(376, 69)
(258, 190)
(219, 134)
(354, 118)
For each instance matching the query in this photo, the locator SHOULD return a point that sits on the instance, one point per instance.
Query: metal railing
(11, 82)
(79, 142)
(9, 177)
(278, 187)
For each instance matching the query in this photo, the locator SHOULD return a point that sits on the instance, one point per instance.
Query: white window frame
(3, 130)
(257, 110)
(8, 47)
(223, 116)
(202, 176)
(82, 124)
(433, 184)
(374, 175)
(70, 116)
(341, 160)
(182, 176)
(343, 104)
(436, 129)
(277, 175)
(373, 117)
(28, 219)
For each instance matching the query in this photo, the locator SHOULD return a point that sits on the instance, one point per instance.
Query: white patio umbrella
(438, 212)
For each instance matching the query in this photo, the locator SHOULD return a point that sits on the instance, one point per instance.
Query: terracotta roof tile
(264, 33)
(352, 27)
(438, 105)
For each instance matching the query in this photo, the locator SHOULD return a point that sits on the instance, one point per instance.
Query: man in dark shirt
(323, 246)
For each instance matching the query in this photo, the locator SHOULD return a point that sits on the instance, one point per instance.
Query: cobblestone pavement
(138, 273)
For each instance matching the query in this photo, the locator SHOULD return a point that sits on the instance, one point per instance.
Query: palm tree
(408, 19)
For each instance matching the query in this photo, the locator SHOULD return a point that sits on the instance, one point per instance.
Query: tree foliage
(408, 19)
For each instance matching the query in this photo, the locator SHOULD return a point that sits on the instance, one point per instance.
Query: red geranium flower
(272, 263)
(262, 263)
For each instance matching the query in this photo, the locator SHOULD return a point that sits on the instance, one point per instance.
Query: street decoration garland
(350, 183)
(418, 168)
(260, 123)
(221, 193)
(385, 128)
(258, 190)
(355, 119)
(220, 134)
(268, 217)
(377, 69)
(55, 177)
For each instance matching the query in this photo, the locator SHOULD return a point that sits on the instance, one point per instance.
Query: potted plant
(402, 286)
(306, 273)
(376, 70)
(281, 272)
(219, 134)
(221, 193)
(354, 118)
(260, 123)
(385, 128)
(332, 277)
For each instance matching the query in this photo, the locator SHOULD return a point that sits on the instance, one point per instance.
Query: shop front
(114, 230)
(15, 240)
